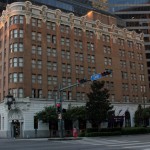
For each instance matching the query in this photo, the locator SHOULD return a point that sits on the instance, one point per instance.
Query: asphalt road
(136, 142)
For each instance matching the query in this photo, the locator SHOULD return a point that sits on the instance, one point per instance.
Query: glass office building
(136, 14)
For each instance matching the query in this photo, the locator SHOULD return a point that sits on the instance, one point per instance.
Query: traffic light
(58, 107)
(107, 72)
(81, 81)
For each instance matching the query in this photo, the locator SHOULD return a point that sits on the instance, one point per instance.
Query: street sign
(96, 76)
(59, 116)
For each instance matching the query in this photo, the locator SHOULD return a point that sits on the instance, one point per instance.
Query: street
(136, 142)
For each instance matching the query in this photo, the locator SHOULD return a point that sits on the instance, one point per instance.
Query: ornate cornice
(59, 17)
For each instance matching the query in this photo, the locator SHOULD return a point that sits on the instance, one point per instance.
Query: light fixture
(10, 100)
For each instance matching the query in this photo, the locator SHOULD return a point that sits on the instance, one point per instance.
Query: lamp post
(10, 100)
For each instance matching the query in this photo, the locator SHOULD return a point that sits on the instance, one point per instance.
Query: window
(39, 36)
(51, 52)
(33, 35)
(121, 52)
(89, 34)
(106, 38)
(39, 23)
(16, 20)
(51, 26)
(107, 49)
(10, 78)
(130, 44)
(20, 93)
(91, 58)
(52, 80)
(122, 63)
(16, 47)
(33, 63)
(33, 22)
(33, 93)
(39, 63)
(107, 61)
(39, 93)
(39, 50)
(53, 39)
(77, 32)
(124, 75)
(33, 49)
(90, 46)
(15, 77)
(48, 38)
(15, 62)
(64, 28)
(20, 77)
(39, 79)
(33, 78)
(79, 69)
(20, 62)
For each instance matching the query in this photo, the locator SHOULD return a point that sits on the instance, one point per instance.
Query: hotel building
(41, 49)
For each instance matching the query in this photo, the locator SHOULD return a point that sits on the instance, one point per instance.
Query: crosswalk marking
(137, 146)
(133, 143)
(112, 143)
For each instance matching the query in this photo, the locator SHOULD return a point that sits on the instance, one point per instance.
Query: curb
(63, 139)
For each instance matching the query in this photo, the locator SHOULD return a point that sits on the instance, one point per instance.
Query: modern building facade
(41, 48)
(136, 14)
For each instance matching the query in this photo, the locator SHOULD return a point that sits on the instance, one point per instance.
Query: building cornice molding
(42, 12)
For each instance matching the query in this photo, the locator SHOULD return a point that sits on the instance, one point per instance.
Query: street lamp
(10, 100)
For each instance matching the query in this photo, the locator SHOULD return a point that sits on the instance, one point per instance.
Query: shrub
(136, 130)
(94, 134)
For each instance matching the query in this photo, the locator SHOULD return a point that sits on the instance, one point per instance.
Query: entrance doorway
(15, 128)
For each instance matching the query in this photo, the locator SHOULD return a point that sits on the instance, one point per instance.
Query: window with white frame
(33, 78)
(39, 63)
(17, 19)
(124, 75)
(51, 25)
(121, 52)
(107, 49)
(48, 38)
(39, 22)
(20, 77)
(64, 28)
(39, 36)
(39, 93)
(16, 47)
(126, 98)
(20, 62)
(39, 50)
(107, 61)
(54, 39)
(33, 35)
(90, 46)
(15, 77)
(77, 32)
(33, 63)
(39, 78)
(89, 34)
(67, 42)
(123, 63)
(10, 78)
(51, 52)
(15, 62)
(33, 22)
(20, 93)
(33, 49)
(50, 94)
(133, 76)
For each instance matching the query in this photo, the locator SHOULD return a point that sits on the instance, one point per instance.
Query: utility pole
(81, 81)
